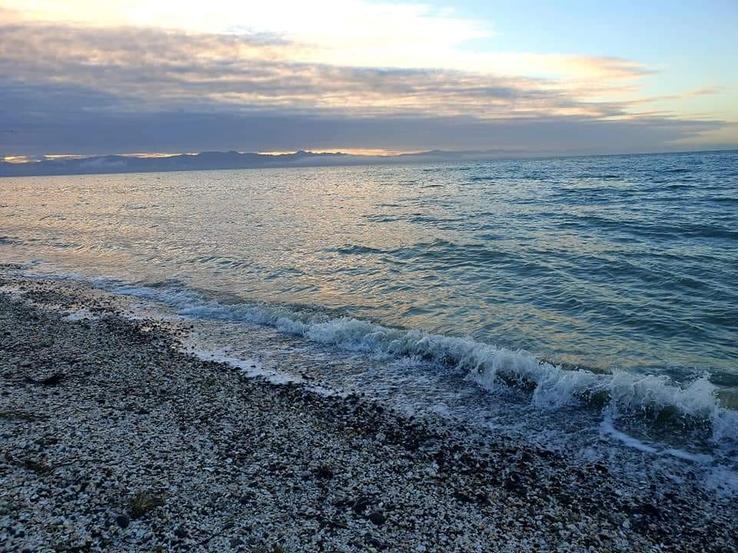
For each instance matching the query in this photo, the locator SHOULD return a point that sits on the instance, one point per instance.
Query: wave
(657, 398)
(549, 386)
(354, 249)
(10, 241)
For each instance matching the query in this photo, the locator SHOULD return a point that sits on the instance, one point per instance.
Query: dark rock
(123, 521)
(461, 496)
(143, 502)
(52, 380)
(324, 472)
(377, 517)
(514, 483)
(376, 543)
(648, 509)
(361, 505)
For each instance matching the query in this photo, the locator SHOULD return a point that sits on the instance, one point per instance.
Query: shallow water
(623, 266)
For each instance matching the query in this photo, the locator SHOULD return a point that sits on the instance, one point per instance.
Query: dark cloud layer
(86, 90)
(87, 125)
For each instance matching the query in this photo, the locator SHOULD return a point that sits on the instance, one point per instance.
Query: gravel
(113, 438)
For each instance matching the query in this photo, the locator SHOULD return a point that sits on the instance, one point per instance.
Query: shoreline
(114, 439)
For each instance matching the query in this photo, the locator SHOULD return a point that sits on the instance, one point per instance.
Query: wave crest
(491, 367)
(550, 386)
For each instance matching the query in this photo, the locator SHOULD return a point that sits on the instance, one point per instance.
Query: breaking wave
(549, 386)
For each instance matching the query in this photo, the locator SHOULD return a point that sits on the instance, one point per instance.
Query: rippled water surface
(612, 262)
(589, 304)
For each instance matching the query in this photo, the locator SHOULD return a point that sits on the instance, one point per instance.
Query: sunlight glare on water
(602, 262)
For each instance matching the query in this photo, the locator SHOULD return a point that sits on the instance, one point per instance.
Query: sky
(84, 77)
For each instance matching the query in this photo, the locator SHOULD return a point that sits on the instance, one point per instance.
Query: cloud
(101, 88)
(154, 69)
(339, 23)
(357, 33)
(68, 119)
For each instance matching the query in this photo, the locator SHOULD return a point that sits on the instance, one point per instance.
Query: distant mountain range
(222, 160)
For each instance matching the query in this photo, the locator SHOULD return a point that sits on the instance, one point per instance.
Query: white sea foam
(490, 367)
(607, 429)
(722, 480)
(253, 368)
(80, 315)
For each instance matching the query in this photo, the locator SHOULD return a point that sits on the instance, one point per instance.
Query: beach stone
(377, 517)
(226, 460)
(123, 521)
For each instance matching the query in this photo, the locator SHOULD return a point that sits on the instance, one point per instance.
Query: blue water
(623, 261)
(617, 276)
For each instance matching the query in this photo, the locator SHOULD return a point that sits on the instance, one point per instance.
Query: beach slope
(112, 438)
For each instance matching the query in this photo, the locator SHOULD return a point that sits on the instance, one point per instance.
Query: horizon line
(353, 152)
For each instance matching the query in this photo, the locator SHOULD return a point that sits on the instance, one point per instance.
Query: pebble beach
(113, 438)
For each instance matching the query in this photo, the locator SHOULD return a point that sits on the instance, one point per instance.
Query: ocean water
(581, 301)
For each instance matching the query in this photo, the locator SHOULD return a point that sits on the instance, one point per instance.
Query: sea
(584, 304)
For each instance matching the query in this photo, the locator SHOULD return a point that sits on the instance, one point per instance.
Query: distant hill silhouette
(217, 160)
